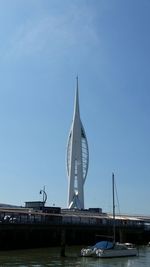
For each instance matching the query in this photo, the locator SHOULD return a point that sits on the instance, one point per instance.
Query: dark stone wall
(18, 236)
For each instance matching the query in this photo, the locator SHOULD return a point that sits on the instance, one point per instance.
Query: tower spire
(76, 104)
(77, 158)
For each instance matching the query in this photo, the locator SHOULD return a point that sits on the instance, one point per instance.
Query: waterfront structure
(77, 159)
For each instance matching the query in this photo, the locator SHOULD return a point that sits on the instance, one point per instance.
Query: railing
(12, 217)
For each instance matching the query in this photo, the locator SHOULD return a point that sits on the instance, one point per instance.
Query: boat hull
(114, 253)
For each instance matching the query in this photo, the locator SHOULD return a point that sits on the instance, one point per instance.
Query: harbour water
(51, 257)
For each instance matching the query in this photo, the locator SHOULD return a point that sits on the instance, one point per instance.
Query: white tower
(77, 159)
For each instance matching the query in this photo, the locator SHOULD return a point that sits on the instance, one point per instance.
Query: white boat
(118, 249)
(106, 249)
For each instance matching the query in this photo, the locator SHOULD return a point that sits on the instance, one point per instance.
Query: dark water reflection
(51, 257)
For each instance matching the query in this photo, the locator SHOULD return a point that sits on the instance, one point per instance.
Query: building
(77, 159)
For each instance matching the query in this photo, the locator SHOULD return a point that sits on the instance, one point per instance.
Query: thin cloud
(54, 33)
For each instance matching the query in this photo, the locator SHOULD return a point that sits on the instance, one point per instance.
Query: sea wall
(37, 229)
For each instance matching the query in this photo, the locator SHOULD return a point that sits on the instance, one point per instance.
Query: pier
(25, 228)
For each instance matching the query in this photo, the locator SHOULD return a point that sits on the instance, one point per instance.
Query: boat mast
(113, 194)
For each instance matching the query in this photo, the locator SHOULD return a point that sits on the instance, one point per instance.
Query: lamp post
(42, 191)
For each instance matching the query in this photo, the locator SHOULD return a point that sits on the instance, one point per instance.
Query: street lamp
(44, 195)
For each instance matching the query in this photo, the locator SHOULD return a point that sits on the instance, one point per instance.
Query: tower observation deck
(77, 159)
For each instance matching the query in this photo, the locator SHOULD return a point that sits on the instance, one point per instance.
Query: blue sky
(44, 44)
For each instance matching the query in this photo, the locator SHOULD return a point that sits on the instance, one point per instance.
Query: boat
(118, 249)
(107, 249)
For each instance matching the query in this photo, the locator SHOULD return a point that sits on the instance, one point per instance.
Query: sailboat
(117, 249)
(107, 249)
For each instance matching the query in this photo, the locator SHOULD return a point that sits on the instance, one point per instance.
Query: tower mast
(77, 158)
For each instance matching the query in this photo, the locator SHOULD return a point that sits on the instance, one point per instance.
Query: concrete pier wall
(26, 229)
(18, 236)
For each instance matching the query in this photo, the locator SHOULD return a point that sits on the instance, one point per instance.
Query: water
(50, 257)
